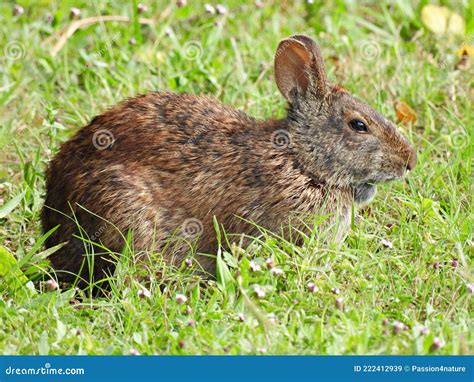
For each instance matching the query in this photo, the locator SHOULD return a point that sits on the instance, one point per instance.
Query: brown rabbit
(163, 165)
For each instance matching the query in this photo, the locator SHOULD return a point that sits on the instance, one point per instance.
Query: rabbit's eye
(358, 126)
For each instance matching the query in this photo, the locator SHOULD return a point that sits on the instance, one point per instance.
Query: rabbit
(163, 165)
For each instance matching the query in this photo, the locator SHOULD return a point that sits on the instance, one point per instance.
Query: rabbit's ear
(299, 64)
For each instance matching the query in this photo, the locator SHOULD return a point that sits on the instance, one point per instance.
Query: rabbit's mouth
(364, 193)
(385, 178)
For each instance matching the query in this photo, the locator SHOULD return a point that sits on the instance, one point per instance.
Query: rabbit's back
(164, 165)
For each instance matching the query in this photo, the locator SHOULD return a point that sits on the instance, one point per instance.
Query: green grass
(379, 52)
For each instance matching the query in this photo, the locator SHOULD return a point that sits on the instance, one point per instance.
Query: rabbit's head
(336, 137)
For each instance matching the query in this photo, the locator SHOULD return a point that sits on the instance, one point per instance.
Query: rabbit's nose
(411, 162)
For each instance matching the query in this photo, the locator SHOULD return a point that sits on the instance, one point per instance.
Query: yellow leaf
(456, 24)
(441, 20)
(405, 114)
(435, 18)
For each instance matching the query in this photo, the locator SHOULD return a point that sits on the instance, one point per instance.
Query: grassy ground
(408, 296)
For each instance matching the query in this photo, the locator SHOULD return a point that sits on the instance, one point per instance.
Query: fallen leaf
(435, 18)
(441, 20)
(456, 24)
(405, 114)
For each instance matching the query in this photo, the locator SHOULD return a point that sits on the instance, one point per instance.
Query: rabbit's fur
(163, 165)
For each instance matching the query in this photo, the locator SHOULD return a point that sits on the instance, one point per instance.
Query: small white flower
(144, 293)
(142, 8)
(259, 291)
(437, 344)
(74, 13)
(51, 284)
(181, 299)
(277, 271)
(397, 327)
(270, 263)
(386, 243)
(18, 10)
(209, 9)
(254, 266)
(312, 287)
(221, 9)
